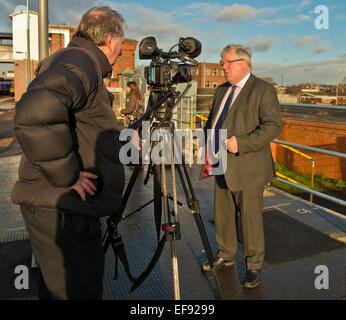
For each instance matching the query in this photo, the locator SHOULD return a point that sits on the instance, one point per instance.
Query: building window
(207, 84)
(215, 72)
(214, 85)
(208, 72)
(194, 71)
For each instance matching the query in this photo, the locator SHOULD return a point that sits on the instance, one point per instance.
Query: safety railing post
(312, 177)
(191, 140)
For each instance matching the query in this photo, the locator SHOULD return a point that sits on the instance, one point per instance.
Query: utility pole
(28, 59)
(43, 29)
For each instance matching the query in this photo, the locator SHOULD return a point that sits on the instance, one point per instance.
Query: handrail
(319, 194)
(289, 179)
(297, 151)
(311, 191)
(294, 145)
(318, 150)
(308, 105)
(312, 167)
(191, 130)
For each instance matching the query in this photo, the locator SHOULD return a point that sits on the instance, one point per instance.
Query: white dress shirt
(240, 86)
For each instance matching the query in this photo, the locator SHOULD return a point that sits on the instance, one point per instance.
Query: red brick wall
(57, 42)
(126, 60)
(319, 135)
(20, 79)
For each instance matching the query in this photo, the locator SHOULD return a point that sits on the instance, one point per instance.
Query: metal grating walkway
(293, 279)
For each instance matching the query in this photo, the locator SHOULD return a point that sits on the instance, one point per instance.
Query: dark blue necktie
(222, 118)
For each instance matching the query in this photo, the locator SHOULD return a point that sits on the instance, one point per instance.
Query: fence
(293, 147)
(310, 190)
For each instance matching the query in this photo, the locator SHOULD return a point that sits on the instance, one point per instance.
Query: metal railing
(291, 145)
(313, 149)
(189, 113)
(310, 190)
(312, 168)
(307, 105)
(319, 194)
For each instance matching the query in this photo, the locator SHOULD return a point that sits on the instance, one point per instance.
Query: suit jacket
(254, 119)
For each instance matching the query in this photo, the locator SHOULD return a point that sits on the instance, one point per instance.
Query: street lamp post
(43, 28)
(28, 69)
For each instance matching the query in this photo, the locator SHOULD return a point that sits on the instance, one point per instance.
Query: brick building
(59, 37)
(208, 75)
(211, 75)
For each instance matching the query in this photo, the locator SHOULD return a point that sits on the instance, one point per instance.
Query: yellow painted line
(5, 142)
(278, 207)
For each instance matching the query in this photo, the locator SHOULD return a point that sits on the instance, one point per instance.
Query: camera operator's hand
(84, 184)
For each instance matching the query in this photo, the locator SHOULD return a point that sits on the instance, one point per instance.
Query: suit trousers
(238, 214)
(69, 252)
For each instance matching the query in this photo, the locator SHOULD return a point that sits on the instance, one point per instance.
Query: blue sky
(285, 42)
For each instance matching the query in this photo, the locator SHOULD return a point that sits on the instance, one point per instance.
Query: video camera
(162, 71)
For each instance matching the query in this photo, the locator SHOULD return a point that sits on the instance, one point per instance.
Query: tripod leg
(157, 200)
(129, 188)
(175, 210)
(172, 236)
(193, 204)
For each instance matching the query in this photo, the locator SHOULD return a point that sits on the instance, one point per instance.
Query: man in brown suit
(252, 119)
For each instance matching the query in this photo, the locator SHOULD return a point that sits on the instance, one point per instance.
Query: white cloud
(302, 5)
(241, 13)
(320, 46)
(260, 43)
(299, 19)
(320, 49)
(301, 42)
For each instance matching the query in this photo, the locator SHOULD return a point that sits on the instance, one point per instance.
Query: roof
(21, 12)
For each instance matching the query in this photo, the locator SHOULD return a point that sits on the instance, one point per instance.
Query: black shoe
(252, 278)
(218, 262)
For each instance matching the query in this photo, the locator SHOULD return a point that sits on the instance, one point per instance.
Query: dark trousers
(68, 249)
(239, 215)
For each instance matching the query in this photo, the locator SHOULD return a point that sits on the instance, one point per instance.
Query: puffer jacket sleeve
(43, 121)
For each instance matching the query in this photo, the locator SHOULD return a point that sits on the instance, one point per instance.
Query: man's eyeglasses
(221, 63)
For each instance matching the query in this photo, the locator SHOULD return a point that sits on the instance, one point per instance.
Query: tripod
(170, 226)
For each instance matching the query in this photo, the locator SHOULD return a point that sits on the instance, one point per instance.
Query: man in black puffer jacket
(70, 173)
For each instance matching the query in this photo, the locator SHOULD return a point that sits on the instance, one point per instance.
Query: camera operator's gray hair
(240, 51)
(98, 22)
